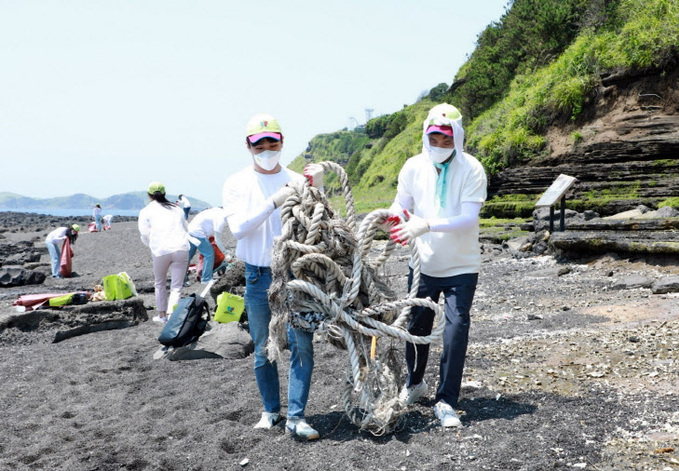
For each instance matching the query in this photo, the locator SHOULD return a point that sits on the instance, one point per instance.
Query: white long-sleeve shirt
(253, 220)
(57, 235)
(452, 246)
(184, 202)
(163, 230)
(209, 223)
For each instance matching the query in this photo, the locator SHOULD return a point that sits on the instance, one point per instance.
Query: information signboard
(556, 191)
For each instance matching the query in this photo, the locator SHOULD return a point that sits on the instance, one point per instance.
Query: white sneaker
(162, 320)
(447, 415)
(414, 393)
(268, 420)
(299, 427)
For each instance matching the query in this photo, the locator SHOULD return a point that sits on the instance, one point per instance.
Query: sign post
(556, 192)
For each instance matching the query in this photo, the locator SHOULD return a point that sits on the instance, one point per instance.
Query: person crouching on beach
(251, 199)
(206, 224)
(164, 230)
(106, 222)
(52, 241)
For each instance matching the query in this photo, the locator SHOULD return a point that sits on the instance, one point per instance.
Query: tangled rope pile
(323, 281)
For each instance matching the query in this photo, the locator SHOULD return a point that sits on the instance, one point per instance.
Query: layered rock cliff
(624, 151)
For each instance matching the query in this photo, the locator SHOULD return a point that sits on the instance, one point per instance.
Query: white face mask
(267, 159)
(438, 154)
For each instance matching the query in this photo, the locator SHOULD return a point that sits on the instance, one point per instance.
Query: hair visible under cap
(160, 198)
(156, 192)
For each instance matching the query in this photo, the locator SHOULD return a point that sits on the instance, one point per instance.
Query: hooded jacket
(444, 251)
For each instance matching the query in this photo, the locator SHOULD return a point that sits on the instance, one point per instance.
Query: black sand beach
(563, 372)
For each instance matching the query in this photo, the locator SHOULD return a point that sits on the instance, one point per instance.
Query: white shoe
(300, 428)
(268, 420)
(162, 320)
(447, 415)
(412, 394)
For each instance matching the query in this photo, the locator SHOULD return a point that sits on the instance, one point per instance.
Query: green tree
(529, 35)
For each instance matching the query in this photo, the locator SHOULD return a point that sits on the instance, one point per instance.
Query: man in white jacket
(439, 196)
(251, 199)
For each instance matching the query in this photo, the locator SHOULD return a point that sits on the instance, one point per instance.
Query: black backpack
(186, 323)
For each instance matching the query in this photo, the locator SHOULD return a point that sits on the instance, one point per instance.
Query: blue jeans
(459, 294)
(55, 256)
(257, 282)
(208, 253)
(97, 222)
(186, 212)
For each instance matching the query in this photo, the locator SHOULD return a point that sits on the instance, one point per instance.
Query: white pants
(176, 263)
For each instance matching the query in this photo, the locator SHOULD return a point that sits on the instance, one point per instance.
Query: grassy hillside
(635, 35)
(372, 156)
(537, 66)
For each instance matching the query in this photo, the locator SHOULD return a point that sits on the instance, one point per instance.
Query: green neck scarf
(441, 182)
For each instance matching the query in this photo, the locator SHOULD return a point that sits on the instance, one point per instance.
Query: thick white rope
(321, 265)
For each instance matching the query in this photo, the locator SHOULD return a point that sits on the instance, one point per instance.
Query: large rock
(631, 242)
(616, 224)
(71, 321)
(20, 253)
(15, 276)
(627, 148)
(669, 284)
(97, 316)
(230, 341)
(541, 218)
(632, 282)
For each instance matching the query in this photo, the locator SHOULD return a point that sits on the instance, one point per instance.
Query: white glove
(314, 173)
(281, 195)
(413, 228)
(389, 222)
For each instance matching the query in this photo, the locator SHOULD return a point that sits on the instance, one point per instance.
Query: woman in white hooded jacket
(164, 230)
(439, 196)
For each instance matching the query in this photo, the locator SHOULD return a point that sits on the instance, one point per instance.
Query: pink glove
(389, 222)
(413, 228)
(314, 173)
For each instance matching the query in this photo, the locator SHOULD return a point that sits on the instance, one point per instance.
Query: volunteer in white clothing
(207, 223)
(164, 230)
(251, 200)
(439, 195)
(106, 221)
(52, 242)
(185, 204)
(96, 214)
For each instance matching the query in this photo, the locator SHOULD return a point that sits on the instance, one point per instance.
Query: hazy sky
(102, 97)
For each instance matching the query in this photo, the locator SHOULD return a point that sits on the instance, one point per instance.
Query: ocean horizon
(72, 211)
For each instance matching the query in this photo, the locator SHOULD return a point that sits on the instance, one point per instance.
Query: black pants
(459, 293)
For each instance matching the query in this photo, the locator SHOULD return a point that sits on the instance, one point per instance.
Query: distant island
(126, 201)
